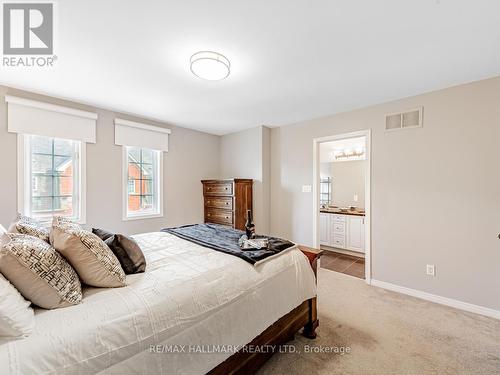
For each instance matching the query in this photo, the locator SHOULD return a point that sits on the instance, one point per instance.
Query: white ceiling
(291, 60)
(327, 149)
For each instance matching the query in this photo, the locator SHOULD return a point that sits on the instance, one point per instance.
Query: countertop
(338, 211)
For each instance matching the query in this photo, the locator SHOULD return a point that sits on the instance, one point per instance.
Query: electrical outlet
(431, 270)
(355, 197)
(306, 188)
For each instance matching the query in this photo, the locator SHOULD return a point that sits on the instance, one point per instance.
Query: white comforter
(189, 296)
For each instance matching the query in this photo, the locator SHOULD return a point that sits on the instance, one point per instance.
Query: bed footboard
(310, 328)
(283, 330)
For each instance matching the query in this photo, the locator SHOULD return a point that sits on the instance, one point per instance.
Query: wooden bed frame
(283, 330)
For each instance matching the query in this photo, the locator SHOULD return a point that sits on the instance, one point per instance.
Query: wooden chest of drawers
(227, 201)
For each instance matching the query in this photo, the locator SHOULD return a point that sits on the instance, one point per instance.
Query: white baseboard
(438, 299)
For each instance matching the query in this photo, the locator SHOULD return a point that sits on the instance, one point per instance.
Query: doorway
(341, 202)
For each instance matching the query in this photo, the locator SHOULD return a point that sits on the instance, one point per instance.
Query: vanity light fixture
(349, 154)
(210, 65)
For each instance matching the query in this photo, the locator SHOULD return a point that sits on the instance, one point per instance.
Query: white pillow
(17, 318)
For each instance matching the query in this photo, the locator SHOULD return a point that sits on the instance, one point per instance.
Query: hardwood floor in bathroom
(348, 264)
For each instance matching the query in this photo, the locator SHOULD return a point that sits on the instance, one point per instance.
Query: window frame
(328, 181)
(24, 178)
(126, 216)
(134, 191)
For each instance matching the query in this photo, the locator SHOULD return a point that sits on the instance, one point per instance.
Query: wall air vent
(403, 120)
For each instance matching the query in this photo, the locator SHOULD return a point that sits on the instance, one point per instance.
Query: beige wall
(246, 154)
(348, 179)
(325, 170)
(192, 156)
(435, 190)
(266, 180)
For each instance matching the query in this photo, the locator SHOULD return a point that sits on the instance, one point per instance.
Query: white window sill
(141, 217)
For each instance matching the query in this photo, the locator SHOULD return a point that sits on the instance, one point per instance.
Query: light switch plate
(355, 197)
(306, 188)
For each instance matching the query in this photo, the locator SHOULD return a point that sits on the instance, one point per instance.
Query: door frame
(316, 187)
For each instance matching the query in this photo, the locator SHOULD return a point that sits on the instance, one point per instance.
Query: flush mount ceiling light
(209, 65)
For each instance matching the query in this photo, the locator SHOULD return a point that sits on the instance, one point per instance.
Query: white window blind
(129, 133)
(39, 118)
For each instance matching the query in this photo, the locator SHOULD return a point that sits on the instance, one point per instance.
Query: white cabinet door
(356, 234)
(324, 229)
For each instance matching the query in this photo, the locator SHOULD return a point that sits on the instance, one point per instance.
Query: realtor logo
(28, 29)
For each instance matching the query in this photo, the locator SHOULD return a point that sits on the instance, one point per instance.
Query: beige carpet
(390, 333)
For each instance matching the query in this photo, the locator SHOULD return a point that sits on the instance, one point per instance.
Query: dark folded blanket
(224, 239)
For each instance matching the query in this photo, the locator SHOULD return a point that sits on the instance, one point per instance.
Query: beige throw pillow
(30, 226)
(38, 271)
(92, 259)
(59, 220)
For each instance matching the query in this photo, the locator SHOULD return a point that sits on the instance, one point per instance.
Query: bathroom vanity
(343, 230)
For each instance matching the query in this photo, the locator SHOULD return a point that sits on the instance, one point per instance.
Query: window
(326, 190)
(51, 177)
(131, 187)
(143, 183)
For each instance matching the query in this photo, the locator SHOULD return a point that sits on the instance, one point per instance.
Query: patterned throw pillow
(38, 271)
(92, 259)
(30, 226)
(59, 220)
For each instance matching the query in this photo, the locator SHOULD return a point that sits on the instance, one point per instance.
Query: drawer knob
(227, 217)
(208, 202)
(209, 215)
(225, 188)
(209, 188)
(227, 203)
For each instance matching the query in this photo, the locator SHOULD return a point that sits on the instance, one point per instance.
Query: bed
(189, 313)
